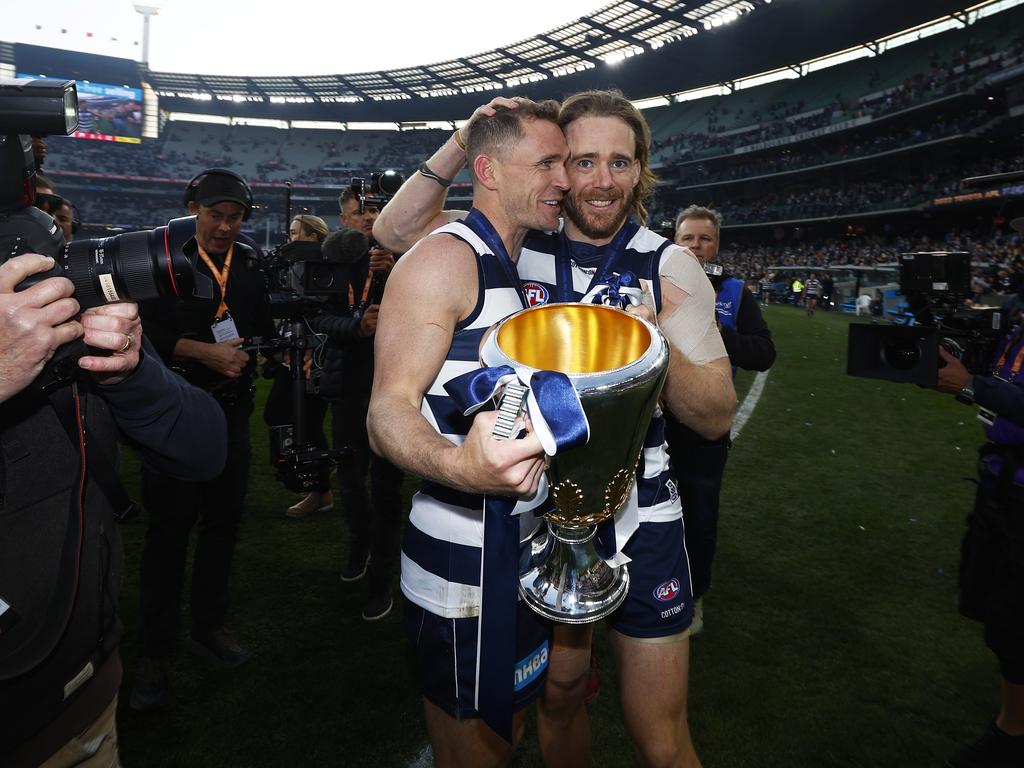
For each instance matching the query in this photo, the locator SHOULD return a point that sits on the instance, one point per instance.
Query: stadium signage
(824, 131)
(967, 197)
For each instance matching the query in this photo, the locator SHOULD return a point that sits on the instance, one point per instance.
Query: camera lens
(136, 266)
(321, 276)
(901, 354)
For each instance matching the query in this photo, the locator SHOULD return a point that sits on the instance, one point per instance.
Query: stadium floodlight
(148, 11)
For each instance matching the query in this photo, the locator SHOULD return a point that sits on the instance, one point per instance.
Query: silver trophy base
(565, 579)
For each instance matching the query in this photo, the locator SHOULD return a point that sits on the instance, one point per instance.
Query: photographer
(374, 521)
(992, 553)
(60, 549)
(202, 339)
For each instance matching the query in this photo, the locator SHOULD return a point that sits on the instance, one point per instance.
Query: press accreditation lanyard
(366, 290)
(221, 276)
(1011, 342)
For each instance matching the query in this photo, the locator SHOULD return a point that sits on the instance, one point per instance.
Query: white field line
(746, 408)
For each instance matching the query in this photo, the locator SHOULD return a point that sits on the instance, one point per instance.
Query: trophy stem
(565, 580)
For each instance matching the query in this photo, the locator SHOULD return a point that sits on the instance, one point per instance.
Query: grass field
(832, 637)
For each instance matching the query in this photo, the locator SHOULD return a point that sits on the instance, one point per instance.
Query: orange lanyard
(366, 290)
(1018, 359)
(222, 277)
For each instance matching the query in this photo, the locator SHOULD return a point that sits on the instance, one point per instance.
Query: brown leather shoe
(314, 502)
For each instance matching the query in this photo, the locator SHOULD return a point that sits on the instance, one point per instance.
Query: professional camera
(135, 266)
(936, 286)
(381, 187)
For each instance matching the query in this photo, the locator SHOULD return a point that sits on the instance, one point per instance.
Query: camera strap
(221, 276)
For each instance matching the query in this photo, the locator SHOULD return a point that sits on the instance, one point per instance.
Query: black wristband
(425, 171)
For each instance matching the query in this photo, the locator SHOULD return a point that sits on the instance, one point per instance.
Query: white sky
(294, 37)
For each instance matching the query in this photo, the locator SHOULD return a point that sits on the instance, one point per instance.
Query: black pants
(278, 411)
(992, 568)
(699, 466)
(374, 519)
(174, 508)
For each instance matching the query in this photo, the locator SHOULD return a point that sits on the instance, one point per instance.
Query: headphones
(193, 187)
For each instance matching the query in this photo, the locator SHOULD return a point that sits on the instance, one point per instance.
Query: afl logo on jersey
(535, 294)
(667, 591)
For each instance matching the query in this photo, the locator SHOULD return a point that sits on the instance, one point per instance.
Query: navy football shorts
(660, 598)
(445, 652)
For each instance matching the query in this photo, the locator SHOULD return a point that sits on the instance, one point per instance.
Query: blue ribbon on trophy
(559, 421)
(616, 290)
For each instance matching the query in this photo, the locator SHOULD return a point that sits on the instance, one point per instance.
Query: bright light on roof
(190, 117)
(654, 101)
(318, 125)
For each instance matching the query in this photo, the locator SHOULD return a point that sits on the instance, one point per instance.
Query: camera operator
(202, 339)
(60, 669)
(992, 553)
(374, 521)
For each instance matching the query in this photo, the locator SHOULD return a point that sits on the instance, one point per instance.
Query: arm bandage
(691, 328)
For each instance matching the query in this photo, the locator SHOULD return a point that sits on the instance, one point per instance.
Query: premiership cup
(617, 363)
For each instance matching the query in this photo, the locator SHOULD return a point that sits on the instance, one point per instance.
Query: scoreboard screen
(106, 112)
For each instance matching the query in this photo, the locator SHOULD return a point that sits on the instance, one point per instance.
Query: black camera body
(936, 286)
(299, 277)
(378, 189)
(135, 266)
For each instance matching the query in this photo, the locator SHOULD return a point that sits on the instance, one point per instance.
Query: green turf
(832, 637)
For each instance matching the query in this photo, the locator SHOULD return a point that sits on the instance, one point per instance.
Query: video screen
(107, 112)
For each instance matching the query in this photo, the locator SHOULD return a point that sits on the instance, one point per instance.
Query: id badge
(224, 329)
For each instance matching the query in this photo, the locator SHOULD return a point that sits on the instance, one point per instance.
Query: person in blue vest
(992, 552)
(699, 462)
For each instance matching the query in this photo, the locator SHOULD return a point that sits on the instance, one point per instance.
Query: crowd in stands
(840, 149)
(311, 157)
(992, 252)
(942, 78)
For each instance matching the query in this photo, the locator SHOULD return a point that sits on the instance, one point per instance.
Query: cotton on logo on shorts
(667, 591)
(535, 294)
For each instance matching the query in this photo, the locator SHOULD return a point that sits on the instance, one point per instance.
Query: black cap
(221, 188)
(1018, 224)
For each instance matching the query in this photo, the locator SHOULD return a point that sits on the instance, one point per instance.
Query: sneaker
(151, 690)
(356, 568)
(314, 502)
(994, 749)
(378, 606)
(217, 647)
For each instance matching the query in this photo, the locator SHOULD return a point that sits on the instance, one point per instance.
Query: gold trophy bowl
(617, 362)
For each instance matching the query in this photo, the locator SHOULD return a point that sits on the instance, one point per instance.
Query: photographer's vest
(441, 551)
(59, 573)
(727, 304)
(1008, 362)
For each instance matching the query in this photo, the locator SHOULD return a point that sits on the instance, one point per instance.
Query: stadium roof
(611, 34)
(686, 45)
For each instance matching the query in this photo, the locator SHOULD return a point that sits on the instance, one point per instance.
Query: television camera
(304, 281)
(134, 266)
(936, 286)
